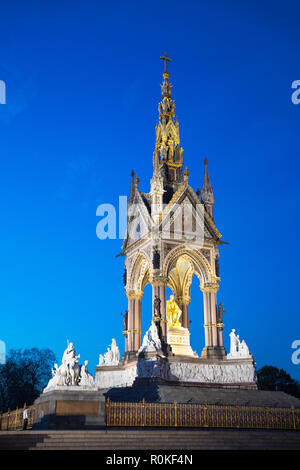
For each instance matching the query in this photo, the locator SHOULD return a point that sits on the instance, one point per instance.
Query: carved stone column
(133, 334)
(220, 330)
(125, 333)
(212, 349)
(137, 321)
(183, 303)
(207, 329)
(159, 284)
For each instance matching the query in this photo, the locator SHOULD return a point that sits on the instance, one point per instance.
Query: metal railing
(200, 416)
(142, 414)
(13, 420)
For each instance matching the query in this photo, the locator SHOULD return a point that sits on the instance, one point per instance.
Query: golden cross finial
(166, 59)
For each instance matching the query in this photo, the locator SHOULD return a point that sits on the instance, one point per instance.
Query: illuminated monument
(172, 236)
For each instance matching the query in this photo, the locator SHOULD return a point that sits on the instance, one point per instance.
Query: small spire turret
(207, 193)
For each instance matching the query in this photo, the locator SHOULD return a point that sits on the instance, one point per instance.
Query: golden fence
(142, 414)
(13, 420)
(200, 416)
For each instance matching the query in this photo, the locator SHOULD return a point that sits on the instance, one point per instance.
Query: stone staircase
(150, 439)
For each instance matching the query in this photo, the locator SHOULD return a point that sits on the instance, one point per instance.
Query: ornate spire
(167, 152)
(207, 194)
(132, 188)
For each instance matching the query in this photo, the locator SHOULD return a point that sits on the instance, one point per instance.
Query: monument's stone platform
(179, 369)
(157, 390)
(76, 408)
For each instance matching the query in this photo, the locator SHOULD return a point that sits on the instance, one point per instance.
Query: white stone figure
(71, 366)
(146, 345)
(74, 371)
(86, 379)
(112, 355)
(153, 333)
(238, 349)
(108, 357)
(234, 343)
(69, 373)
(69, 354)
(101, 360)
(244, 349)
(55, 377)
(62, 374)
(115, 352)
(151, 341)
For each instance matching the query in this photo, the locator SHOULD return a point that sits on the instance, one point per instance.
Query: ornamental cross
(166, 59)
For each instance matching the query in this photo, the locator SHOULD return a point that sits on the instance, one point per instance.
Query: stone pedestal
(179, 340)
(69, 408)
(213, 352)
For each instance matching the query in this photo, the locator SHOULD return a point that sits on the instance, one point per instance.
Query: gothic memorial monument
(171, 237)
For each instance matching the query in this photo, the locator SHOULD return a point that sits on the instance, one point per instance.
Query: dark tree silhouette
(272, 378)
(23, 376)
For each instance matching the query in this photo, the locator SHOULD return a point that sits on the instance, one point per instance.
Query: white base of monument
(74, 388)
(184, 366)
(237, 372)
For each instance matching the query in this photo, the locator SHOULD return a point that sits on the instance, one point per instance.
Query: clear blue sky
(83, 83)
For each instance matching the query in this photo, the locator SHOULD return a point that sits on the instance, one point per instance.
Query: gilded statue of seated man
(173, 313)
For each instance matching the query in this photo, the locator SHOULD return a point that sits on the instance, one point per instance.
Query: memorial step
(149, 440)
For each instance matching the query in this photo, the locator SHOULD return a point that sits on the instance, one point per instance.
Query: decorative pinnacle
(131, 193)
(136, 180)
(166, 59)
(207, 190)
(186, 174)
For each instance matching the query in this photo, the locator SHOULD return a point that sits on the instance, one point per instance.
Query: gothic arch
(200, 264)
(138, 275)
